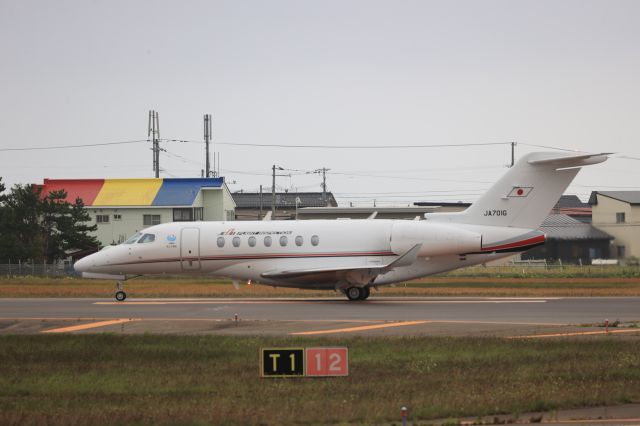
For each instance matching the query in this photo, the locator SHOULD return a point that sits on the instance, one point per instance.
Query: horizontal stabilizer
(579, 160)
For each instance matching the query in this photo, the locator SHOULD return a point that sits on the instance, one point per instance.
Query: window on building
(267, 241)
(252, 241)
(182, 215)
(117, 216)
(236, 241)
(198, 213)
(621, 252)
(299, 240)
(231, 215)
(620, 217)
(315, 240)
(284, 241)
(150, 219)
(102, 218)
(220, 242)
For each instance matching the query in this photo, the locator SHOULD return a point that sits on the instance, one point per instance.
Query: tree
(41, 227)
(7, 219)
(65, 226)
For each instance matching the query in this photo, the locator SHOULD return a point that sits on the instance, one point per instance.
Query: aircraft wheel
(354, 293)
(365, 293)
(120, 296)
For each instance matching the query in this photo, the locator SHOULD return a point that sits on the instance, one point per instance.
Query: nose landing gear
(357, 293)
(120, 294)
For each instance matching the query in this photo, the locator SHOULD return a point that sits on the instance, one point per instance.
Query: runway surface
(507, 317)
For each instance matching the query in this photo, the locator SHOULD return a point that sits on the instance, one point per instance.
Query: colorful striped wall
(132, 192)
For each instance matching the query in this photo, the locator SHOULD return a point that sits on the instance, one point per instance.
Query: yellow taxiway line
(87, 326)
(361, 328)
(578, 333)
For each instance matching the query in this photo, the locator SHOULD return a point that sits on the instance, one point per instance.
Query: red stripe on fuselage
(257, 257)
(531, 241)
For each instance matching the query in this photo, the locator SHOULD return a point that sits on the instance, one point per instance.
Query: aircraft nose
(82, 265)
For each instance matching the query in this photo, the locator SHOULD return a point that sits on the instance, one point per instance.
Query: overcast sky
(556, 73)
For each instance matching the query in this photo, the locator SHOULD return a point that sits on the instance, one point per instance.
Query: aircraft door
(190, 249)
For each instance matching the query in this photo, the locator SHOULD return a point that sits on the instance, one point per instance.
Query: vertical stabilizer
(525, 195)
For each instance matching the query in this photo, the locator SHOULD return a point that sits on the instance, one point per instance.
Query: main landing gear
(120, 294)
(357, 293)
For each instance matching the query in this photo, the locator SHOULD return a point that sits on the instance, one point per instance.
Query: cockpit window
(147, 238)
(133, 238)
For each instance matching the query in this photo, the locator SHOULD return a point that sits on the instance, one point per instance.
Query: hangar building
(121, 207)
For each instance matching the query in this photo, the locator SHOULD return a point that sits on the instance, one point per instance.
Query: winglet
(408, 258)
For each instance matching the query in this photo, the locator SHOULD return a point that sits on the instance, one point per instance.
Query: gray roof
(420, 210)
(570, 201)
(251, 200)
(631, 197)
(563, 227)
(443, 204)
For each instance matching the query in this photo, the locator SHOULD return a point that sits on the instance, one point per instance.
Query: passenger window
(252, 241)
(299, 240)
(315, 240)
(220, 242)
(267, 241)
(147, 238)
(236, 241)
(284, 241)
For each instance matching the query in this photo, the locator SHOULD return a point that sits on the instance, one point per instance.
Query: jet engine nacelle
(436, 239)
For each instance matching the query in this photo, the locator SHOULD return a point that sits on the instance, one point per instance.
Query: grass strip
(432, 286)
(149, 379)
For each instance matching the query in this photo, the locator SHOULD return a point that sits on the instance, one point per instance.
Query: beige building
(618, 214)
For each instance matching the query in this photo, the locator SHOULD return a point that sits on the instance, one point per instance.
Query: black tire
(354, 293)
(121, 296)
(365, 292)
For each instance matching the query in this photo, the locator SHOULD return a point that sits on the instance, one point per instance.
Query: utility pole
(260, 216)
(513, 153)
(324, 171)
(324, 186)
(207, 138)
(273, 190)
(273, 193)
(153, 133)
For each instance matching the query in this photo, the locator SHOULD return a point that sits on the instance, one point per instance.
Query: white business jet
(352, 255)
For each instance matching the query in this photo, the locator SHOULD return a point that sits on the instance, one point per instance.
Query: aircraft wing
(350, 274)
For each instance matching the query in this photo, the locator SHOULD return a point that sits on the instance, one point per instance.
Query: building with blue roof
(122, 207)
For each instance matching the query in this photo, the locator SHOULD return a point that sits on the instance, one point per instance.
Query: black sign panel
(282, 362)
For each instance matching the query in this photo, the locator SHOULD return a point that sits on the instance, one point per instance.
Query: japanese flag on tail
(520, 191)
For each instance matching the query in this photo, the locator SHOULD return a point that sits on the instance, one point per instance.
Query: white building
(121, 207)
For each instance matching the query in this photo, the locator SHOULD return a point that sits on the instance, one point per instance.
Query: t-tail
(525, 195)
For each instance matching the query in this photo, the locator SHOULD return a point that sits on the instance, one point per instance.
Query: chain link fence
(37, 269)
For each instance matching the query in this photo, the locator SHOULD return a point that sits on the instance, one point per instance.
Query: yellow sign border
(304, 362)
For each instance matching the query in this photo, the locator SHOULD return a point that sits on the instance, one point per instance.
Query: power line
(410, 178)
(344, 146)
(547, 147)
(91, 145)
